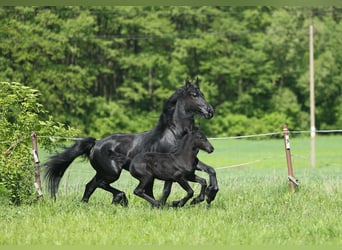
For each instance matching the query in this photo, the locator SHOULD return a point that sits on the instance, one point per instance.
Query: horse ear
(186, 131)
(197, 81)
(187, 83)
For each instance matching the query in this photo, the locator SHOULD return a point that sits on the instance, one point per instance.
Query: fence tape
(210, 138)
(248, 163)
(245, 136)
(275, 133)
(60, 137)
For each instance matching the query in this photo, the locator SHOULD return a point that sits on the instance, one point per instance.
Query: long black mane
(165, 118)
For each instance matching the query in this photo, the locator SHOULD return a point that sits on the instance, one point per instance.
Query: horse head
(180, 107)
(200, 141)
(195, 101)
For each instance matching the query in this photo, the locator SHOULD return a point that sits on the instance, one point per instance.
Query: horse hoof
(120, 199)
(196, 201)
(211, 193)
(177, 204)
(157, 205)
(124, 202)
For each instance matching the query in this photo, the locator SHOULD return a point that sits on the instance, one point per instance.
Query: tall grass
(254, 205)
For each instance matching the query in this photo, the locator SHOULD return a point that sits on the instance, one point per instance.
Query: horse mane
(168, 109)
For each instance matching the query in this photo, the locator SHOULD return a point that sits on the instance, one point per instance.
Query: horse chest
(166, 143)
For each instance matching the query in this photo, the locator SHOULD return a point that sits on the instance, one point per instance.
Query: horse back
(126, 144)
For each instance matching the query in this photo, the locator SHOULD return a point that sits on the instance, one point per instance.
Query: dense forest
(109, 69)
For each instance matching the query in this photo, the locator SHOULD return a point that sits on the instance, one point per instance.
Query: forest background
(109, 69)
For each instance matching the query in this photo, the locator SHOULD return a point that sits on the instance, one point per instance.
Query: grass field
(253, 207)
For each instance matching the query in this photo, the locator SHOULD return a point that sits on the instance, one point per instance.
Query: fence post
(292, 180)
(37, 183)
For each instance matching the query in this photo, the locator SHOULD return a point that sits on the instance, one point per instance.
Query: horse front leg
(149, 189)
(203, 182)
(212, 189)
(140, 191)
(166, 191)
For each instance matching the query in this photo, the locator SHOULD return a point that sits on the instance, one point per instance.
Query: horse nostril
(210, 113)
(211, 149)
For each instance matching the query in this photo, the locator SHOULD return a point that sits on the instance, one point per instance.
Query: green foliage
(228, 124)
(253, 62)
(110, 117)
(20, 114)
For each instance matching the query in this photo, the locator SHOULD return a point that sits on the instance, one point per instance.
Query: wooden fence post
(292, 180)
(37, 183)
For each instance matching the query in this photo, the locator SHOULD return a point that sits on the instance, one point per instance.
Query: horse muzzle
(210, 149)
(209, 112)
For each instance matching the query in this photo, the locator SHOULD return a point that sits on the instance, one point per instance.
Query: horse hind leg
(185, 185)
(90, 188)
(119, 197)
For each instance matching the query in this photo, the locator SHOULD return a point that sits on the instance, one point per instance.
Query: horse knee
(138, 192)
(211, 171)
(203, 182)
(212, 189)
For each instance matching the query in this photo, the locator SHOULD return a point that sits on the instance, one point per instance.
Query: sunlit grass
(253, 207)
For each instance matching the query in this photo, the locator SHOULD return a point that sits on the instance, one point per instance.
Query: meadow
(253, 207)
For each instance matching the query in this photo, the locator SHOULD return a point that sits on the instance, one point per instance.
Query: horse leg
(90, 188)
(140, 191)
(203, 182)
(119, 197)
(166, 191)
(185, 185)
(212, 189)
(149, 189)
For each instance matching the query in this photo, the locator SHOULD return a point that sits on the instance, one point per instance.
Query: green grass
(253, 207)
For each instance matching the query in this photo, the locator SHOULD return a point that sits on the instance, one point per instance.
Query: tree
(90, 63)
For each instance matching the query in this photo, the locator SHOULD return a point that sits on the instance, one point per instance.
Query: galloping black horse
(112, 154)
(178, 166)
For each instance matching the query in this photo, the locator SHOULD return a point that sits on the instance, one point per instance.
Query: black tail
(58, 164)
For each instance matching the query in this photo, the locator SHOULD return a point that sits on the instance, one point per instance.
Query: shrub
(21, 113)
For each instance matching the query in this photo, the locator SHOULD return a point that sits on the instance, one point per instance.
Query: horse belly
(164, 169)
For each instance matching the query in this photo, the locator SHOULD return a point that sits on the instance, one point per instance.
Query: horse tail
(58, 163)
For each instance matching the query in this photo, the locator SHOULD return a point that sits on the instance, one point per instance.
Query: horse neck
(173, 121)
(181, 119)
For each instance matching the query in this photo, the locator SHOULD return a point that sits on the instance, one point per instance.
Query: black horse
(112, 154)
(175, 167)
